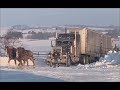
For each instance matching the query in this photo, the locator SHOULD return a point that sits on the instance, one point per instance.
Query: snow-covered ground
(7, 75)
(99, 72)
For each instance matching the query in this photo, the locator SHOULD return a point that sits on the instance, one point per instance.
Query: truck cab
(66, 44)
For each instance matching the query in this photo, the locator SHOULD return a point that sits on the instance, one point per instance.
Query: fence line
(38, 53)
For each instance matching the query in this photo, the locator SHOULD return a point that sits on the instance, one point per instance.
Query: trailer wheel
(90, 58)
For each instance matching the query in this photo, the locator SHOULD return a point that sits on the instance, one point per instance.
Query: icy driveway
(18, 76)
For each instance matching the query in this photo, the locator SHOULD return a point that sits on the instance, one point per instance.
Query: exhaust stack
(75, 43)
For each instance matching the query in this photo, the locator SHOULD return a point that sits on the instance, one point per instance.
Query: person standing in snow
(56, 56)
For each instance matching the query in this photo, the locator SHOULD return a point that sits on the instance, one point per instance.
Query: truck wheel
(90, 59)
(84, 60)
(87, 59)
(68, 62)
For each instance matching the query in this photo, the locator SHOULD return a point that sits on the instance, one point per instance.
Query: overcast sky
(60, 16)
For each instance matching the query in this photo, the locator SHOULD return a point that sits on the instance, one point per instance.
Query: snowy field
(36, 45)
(102, 71)
(3, 30)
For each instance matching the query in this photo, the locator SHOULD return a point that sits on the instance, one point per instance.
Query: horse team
(19, 54)
(22, 56)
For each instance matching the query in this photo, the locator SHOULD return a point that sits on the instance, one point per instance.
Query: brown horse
(25, 55)
(11, 52)
(20, 55)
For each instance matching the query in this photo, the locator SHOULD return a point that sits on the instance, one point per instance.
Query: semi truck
(81, 45)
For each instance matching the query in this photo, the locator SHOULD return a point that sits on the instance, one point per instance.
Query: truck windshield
(60, 43)
(66, 36)
(65, 42)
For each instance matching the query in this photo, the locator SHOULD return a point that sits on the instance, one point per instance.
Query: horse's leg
(18, 61)
(9, 60)
(8, 63)
(27, 62)
(15, 61)
(24, 62)
(33, 62)
(32, 59)
(21, 64)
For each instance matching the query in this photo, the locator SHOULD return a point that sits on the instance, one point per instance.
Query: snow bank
(110, 60)
(112, 57)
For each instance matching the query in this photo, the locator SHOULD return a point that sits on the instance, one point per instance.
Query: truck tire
(85, 59)
(68, 61)
(81, 60)
(90, 59)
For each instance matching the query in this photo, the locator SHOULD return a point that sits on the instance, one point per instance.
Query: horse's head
(6, 47)
(20, 49)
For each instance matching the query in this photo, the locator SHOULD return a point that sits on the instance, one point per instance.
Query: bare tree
(7, 40)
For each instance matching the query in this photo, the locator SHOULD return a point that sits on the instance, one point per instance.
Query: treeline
(114, 33)
(31, 35)
(40, 35)
(14, 34)
(19, 27)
